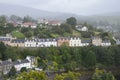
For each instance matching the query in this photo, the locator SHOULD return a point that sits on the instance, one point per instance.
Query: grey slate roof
(86, 41)
(20, 62)
(2, 38)
(41, 40)
(18, 41)
(106, 41)
(6, 62)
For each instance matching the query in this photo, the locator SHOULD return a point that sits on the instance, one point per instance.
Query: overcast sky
(84, 7)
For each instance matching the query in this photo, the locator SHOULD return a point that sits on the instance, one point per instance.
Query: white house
(118, 42)
(32, 60)
(46, 42)
(74, 42)
(106, 43)
(30, 43)
(81, 28)
(29, 63)
(21, 63)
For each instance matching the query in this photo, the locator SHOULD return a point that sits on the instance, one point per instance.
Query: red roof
(28, 23)
(53, 22)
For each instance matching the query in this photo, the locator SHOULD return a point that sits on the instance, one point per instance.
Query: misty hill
(7, 9)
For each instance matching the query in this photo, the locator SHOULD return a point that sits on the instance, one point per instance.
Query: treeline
(64, 57)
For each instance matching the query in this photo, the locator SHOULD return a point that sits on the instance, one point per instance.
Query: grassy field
(18, 34)
(76, 33)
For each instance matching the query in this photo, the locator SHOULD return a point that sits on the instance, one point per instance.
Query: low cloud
(85, 7)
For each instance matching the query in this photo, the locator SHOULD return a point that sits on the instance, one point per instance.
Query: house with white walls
(81, 28)
(30, 62)
(30, 43)
(106, 43)
(19, 64)
(96, 41)
(46, 42)
(75, 42)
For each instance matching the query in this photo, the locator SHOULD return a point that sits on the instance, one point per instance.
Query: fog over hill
(7, 9)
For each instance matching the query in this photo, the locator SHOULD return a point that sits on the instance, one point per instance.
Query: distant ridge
(7, 9)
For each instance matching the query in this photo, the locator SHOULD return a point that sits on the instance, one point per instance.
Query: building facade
(96, 41)
(106, 43)
(75, 42)
(5, 66)
(17, 43)
(63, 41)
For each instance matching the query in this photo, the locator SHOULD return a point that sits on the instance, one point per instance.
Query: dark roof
(16, 62)
(18, 41)
(75, 38)
(96, 37)
(24, 61)
(2, 38)
(20, 62)
(106, 41)
(79, 26)
(86, 41)
(41, 40)
(63, 38)
(6, 62)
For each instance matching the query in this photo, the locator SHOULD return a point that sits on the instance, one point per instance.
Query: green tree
(90, 59)
(15, 18)
(32, 75)
(2, 50)
(23, 69)
(68, 76)
(12, 72)
(28, 19)
(2, 21)
(66, 28)
(58, 77)
(72, 21)
(102, 75)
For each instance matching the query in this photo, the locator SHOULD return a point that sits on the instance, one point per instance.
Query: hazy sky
(84, 7)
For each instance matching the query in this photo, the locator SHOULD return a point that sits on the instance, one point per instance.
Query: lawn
(18, 34)
(76, 33)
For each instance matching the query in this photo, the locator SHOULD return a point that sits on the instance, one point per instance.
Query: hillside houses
(75, 42)
(63, 41)
(5, 40)
(29, 24)
(118, 42)
(85, 42)
(97, 41)
(56, 42)
(49, 22)
(17, 43)
(5, 66)
(81, 28)
(54, 23)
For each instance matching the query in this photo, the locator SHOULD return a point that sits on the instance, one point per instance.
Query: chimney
(10, 60)
(19, 60)
(0, 61)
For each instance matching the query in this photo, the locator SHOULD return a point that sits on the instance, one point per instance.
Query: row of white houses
(56, 42)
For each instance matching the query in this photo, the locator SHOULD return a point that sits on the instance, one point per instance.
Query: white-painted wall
(74, 42)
